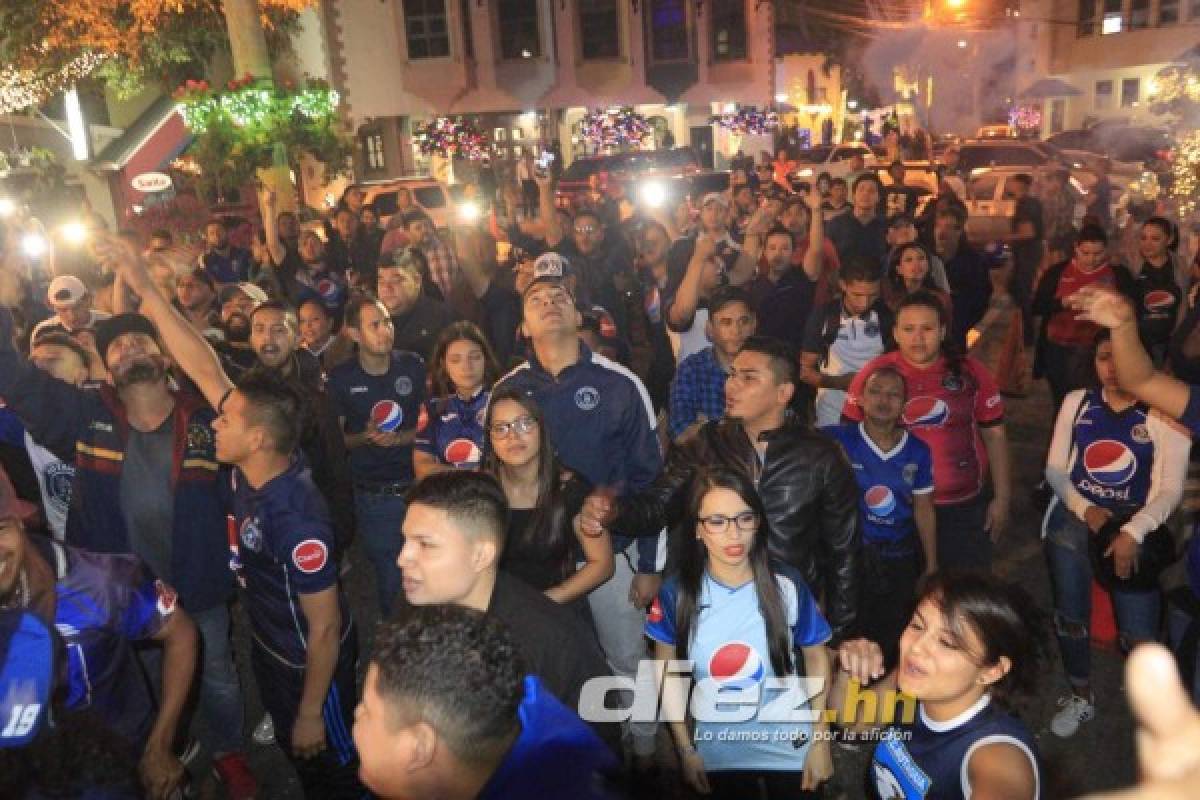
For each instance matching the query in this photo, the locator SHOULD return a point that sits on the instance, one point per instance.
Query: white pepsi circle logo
(386, 415)
(463, 452)
(1109, 462)
(880, 500)
(929, 411)
(587, 398)
(736, 665)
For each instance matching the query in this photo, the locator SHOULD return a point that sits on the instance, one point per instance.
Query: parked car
(433, 198)
(1121, 141)
(991, 203)
(623, 168)
(831, 158)
(997, 132)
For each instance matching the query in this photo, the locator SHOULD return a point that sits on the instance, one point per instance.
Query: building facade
(528, 70)
(1102, 55)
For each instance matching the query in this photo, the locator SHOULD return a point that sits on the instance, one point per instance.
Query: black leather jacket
(809, 492)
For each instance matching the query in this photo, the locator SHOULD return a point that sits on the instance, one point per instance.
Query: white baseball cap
(65, 290)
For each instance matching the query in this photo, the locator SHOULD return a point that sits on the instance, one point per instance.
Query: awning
(1049, 87)
(158, 136)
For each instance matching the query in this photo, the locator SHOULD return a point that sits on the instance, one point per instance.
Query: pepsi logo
(1158, 300)
(880, 500)
(655, 614)
(929, 411)
(1109, 462)
(167, 598)
(386, 415)
(736, 665)
(463, 452)
(327, 289)
(310, 556)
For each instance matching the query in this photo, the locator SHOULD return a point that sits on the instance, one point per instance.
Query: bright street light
(74, 233)
(653, 194)
(962, 42)
(34, 245)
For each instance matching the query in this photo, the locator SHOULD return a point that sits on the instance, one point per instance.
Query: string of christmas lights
(747, 121)
(1025, 118)
(249, 106)
(1185, 170)
(614, 127)
(450, 138)
(20, 89)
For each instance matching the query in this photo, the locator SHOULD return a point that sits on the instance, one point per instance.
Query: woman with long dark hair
(972, 645)
(544, 542)
(743, 620)
(1117, 470)
(1159, 286)
(908, 271)
(450, 430)
(954, 406)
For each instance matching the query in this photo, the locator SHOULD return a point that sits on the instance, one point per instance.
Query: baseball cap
(26, 676)
(252, 291)
(11, 505)
(108, 330)
(65, 290)
(715, 197)
(550, 268)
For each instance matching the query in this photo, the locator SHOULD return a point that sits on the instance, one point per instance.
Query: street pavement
(1100, 756)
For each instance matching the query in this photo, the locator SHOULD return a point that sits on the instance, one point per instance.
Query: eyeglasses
(520, 426)
(586, 230)
(719, 523)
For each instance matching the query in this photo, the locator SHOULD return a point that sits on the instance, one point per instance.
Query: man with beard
(226, 263)
(101, 605)
(237, 304)
(275, 340)
(146, 483)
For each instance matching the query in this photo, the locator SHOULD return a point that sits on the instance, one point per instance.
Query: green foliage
(237, 130)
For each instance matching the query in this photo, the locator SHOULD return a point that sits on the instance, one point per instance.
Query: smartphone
(544, 161)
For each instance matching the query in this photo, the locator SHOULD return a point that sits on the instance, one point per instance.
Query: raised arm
(188, 348)
(1112, 310)
(546, 209)
(269, 202)
(814, 256)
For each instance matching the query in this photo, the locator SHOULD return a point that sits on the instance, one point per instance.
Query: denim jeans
(1071, 574)
(379, 517)
(219, 704)
(962, 543)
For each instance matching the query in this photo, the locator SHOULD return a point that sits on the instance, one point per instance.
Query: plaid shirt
(443, 265)
(698, 388)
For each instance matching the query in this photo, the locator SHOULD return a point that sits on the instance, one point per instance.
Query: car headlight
(805, 173)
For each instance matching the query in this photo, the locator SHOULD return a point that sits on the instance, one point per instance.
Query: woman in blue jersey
(743, 620)
(450, 428)
(1112, 461)
(972, 644)
(894, 471)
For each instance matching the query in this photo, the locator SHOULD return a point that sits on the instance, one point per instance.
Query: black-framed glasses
(717, 524)
(521, 426)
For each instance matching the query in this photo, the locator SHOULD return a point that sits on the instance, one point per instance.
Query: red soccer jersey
(945, 411)
(1063, 328)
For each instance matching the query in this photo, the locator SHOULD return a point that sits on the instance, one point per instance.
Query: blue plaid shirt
(698, 388)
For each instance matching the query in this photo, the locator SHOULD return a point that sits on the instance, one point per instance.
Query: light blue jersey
(730, 653)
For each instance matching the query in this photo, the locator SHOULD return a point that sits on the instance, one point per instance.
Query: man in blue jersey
(377, 396)
(894, 472)
(601, 423)
(304, 645)
(101, 605)
(449, 711)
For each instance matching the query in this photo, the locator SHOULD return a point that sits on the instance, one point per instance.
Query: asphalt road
(1099, 756)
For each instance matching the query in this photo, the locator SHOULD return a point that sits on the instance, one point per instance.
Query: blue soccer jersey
(451, 430)
(730, 653)
(887, 481)
(284, 544)
(389, 402)
(928, 760)
(104, 604)
(1112, 454)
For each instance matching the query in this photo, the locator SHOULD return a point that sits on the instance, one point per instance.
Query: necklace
(20, 596)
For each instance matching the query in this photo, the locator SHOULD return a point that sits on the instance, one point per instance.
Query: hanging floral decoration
(747, 121)
(1025, 118)
(614, 127)
(450, 138)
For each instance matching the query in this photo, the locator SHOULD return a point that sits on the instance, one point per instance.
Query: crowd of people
(751, 432)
